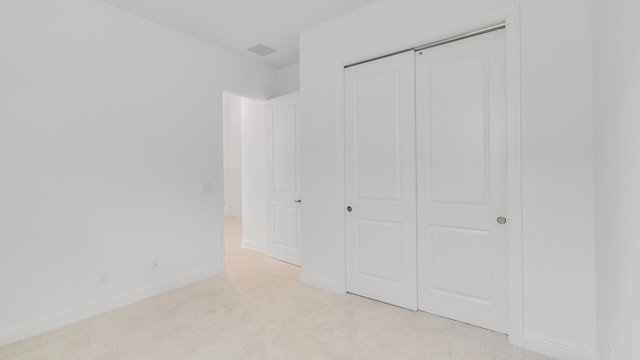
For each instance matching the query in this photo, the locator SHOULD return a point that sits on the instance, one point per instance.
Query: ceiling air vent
(261, 49)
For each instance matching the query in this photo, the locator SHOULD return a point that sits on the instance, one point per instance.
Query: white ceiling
(240, 24)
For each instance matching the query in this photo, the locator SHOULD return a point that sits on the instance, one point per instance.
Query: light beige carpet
(260, 310)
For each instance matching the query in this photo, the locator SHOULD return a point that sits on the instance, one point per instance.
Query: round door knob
(349, 209)
(502, 220)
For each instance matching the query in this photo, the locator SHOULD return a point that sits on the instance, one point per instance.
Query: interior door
(282, 129)
(381, 180)
(462, 180)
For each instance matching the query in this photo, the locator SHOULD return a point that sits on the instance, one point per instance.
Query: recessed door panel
(459, 134)
(380, 166)
(468, 276)
(284, 149)
(284, 234)
(462, 180)
(377, 136)
(380, 250)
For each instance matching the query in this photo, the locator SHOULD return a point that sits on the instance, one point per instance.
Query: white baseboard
(557, 349)
(25, 331)
(321, 283)
(252, 245)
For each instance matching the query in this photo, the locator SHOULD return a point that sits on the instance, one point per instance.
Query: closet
(426, 179)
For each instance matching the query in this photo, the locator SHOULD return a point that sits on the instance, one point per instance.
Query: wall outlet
(103, 279)
(207, 188)
(155, 265)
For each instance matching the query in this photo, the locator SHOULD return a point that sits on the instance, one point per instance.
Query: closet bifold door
(462, 180)
(381, 180)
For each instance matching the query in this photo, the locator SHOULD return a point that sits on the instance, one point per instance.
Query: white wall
(254, 189)
(110, 156)
(617, 84)
(232, 128)
(557, 150)
(289, 79)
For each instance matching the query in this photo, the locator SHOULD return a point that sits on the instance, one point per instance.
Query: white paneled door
(462, 180)
(381, 180)
(283, 181)
(426, 180)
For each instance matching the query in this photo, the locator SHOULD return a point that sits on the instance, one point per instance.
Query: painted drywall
(289, 79)
(617, 114)
(237, 25)
(254, 189)
(232, 125)
(557, 150)
(110, 157)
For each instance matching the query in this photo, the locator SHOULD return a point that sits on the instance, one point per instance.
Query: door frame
(221, 262)
(511, 18)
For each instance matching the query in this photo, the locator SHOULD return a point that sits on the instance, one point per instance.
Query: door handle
(298, 201)
(502, 220)
(349, 209)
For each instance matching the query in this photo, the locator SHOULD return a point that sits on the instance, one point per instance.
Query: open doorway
(244, 172)
(262, 175)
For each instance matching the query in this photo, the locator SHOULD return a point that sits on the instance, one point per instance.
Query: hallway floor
(259, 309)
